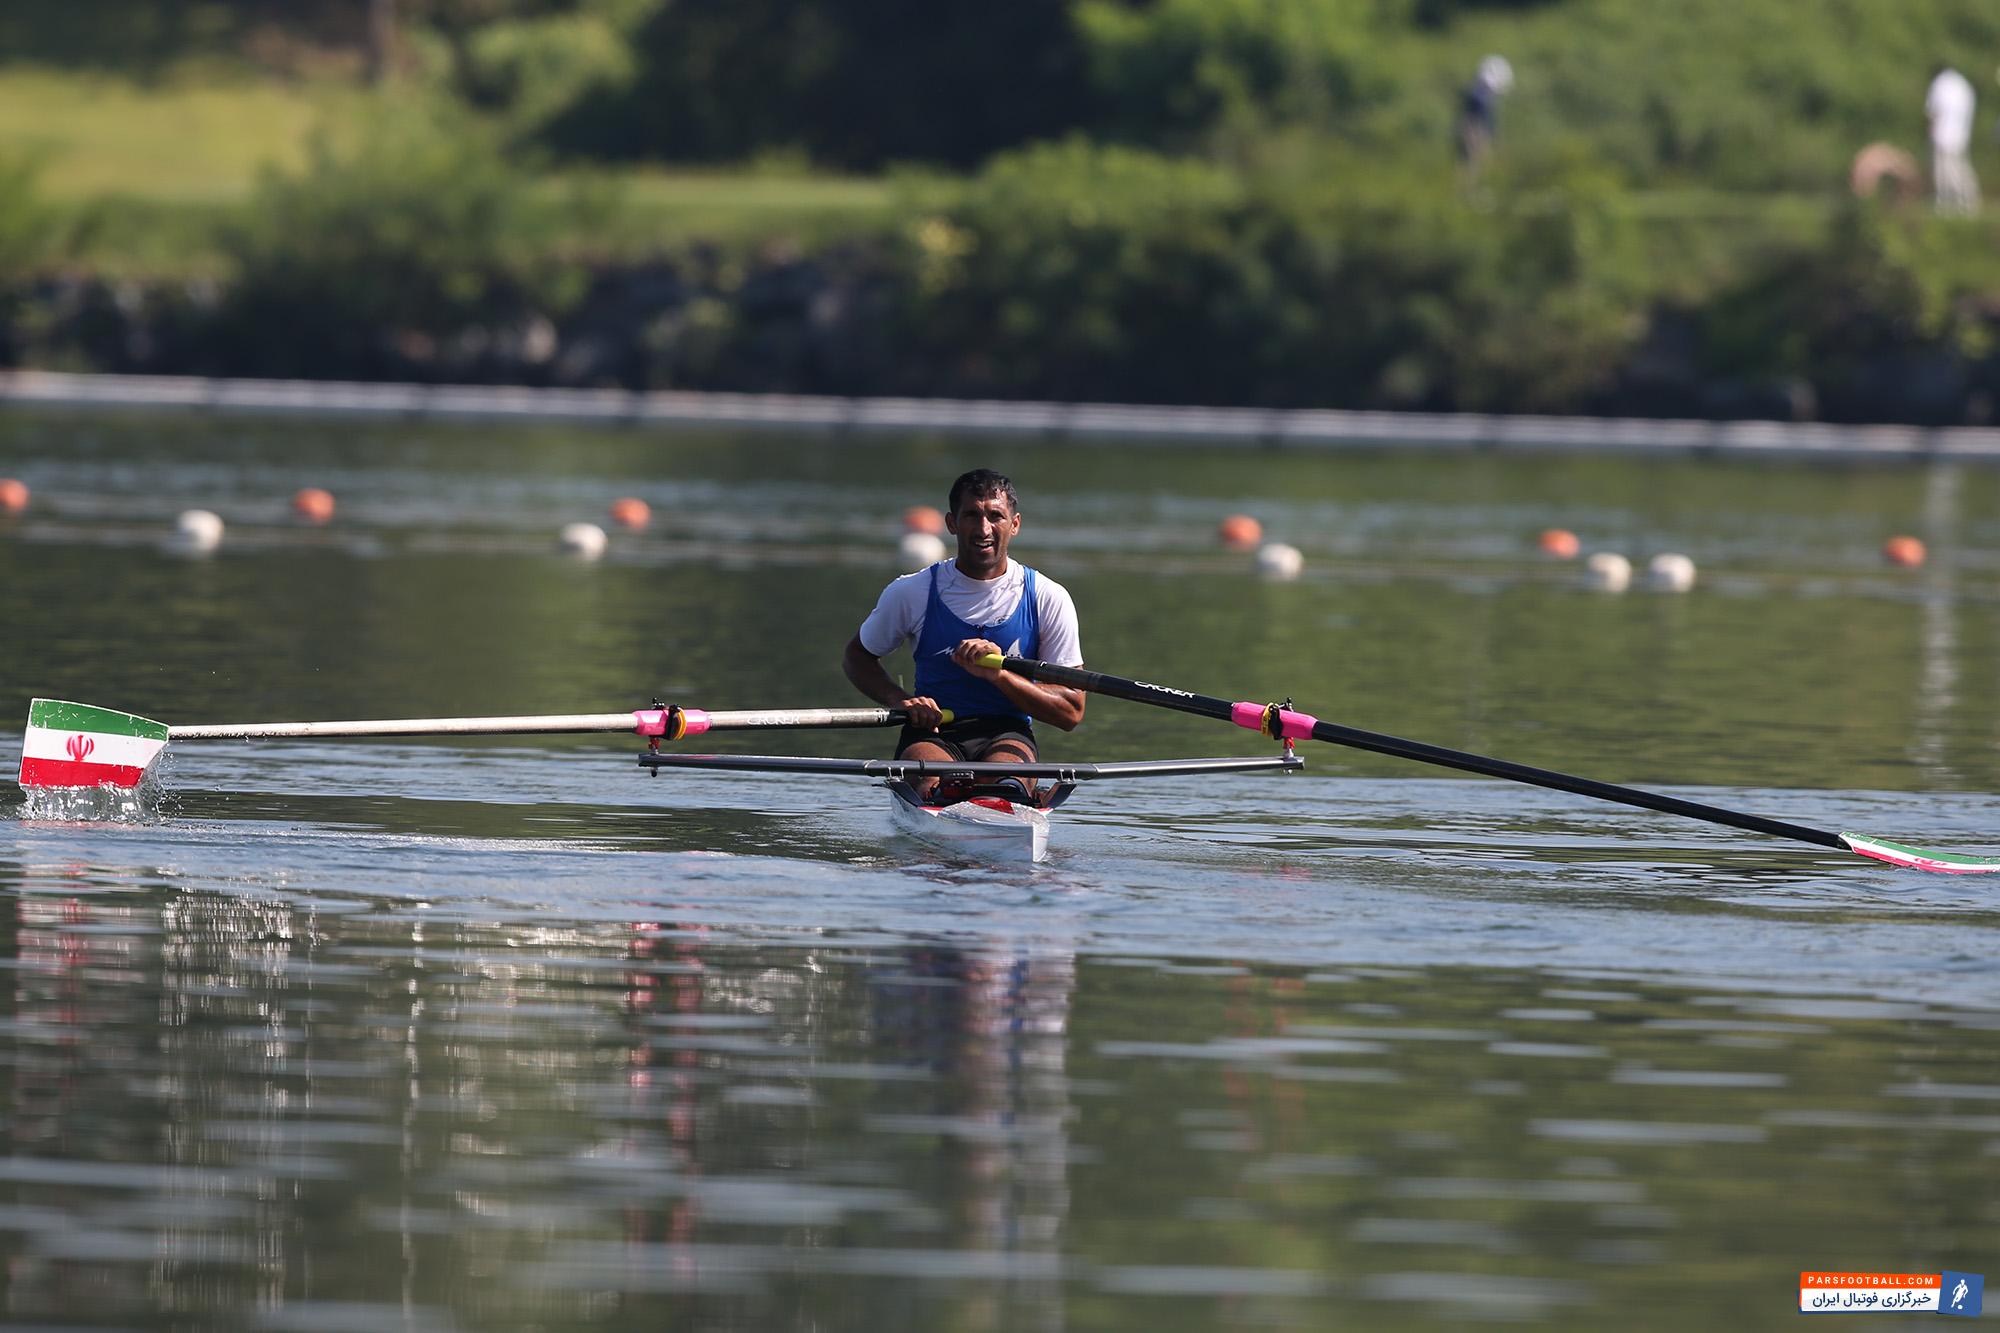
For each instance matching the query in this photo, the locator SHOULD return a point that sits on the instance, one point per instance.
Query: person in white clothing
(1949, 107)
(957, 611)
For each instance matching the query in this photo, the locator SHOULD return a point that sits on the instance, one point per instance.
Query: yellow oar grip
(994, 660)
(946, 715)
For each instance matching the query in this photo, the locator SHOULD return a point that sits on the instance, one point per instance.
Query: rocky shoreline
(839, 324)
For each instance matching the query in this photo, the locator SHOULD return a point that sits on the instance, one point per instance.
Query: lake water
(502, 1034)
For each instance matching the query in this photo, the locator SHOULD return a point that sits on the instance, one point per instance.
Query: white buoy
(1275, 560)
(1671, 572)
(585, 541)
(920, 550)
(196, 532)
(1607, 571)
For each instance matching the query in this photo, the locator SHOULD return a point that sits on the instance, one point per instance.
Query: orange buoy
(923, 518)
(313, 504)
(1240, 532)
(1905, 551)
(1560, 543)
(628, 511)
(13, 495)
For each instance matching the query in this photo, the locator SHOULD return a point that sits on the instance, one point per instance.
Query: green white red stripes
(1916, 858)
(78, 745)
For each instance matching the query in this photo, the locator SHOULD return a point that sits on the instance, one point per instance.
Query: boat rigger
(977, 808)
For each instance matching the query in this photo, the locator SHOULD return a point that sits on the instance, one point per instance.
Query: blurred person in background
(1479, 116)
(1949, 108)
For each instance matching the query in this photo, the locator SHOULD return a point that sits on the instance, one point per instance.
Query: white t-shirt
(1949, 106)
(898, 617)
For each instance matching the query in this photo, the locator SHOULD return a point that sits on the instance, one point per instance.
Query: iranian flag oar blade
(1288, 724)
(77, 745)
(80, 745)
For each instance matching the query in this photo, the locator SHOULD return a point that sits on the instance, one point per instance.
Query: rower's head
(984, 515)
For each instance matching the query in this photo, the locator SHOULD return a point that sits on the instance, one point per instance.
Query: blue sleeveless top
(940, 678)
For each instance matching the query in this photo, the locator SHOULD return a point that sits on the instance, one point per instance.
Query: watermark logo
(1827, 1292)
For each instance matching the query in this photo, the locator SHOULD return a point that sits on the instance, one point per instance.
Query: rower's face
(983, 524)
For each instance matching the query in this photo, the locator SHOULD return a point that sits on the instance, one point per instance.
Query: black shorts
(970, 738)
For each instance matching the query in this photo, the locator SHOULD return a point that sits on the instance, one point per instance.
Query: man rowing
(958, 611)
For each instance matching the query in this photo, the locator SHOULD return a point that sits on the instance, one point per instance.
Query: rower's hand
(968, 653)
(923, 712)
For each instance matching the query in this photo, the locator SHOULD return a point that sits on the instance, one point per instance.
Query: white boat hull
(988, 828)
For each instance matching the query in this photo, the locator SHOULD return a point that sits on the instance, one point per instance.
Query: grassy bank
(153, 173)
(197, 135)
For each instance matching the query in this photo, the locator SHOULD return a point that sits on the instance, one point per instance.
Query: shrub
(533, 71)
(31, 230)
(1881, 297)
(1178, 73)
(423, 230)
(1076, 270)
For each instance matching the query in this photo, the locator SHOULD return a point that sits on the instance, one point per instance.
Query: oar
(1287, 724)
(81, 745)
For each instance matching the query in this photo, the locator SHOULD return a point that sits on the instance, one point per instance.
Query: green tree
(1177, 73)
(852, 83)
(424, 229)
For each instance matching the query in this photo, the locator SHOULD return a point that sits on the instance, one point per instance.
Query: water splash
(144, 804)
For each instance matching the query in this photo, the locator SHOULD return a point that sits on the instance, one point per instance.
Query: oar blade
(1916, 858)
(81, 745)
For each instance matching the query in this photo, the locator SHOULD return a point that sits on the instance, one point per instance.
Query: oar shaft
(406, 726)
(1296, 725)
(644, 722)
(1544, 777)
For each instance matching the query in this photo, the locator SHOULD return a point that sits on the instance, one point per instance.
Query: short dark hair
(982, 481)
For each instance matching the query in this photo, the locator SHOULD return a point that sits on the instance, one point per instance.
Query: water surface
(504, 1034)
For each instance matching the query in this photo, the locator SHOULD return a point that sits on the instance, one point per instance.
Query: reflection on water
(227, 1108)
(224, 1104)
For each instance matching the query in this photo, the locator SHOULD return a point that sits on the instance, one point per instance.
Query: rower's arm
(1057, 705)
(869, 676)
